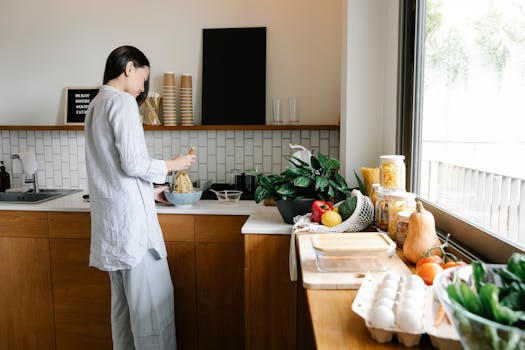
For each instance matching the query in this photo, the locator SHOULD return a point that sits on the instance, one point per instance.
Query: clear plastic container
(381, 210)
(353, 252)
(400, 200)
(392, 172)
(402, 227)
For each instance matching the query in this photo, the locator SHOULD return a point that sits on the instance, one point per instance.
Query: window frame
(471, 237)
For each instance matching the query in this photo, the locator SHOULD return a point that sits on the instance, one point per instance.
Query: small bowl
(476, 332)
(228, 195)
(183, 199)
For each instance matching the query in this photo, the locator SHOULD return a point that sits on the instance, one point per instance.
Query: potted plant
(299, 185)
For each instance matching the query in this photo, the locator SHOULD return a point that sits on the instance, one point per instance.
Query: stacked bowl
(186, 100)
(169, 96)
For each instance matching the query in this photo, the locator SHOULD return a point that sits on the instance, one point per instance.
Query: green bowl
(476, 332)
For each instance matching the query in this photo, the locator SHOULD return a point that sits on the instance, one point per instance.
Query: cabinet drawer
(17, 223)
(219, 228)
(177, 227)
(69, 225)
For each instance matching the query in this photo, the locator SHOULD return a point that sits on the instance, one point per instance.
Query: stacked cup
(186, 100)
(169, 96)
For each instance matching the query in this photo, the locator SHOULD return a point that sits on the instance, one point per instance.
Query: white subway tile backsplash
(324, 148)
(61, 162)
(230, 147)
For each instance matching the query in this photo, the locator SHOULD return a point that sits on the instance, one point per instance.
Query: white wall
(48, 45)
(369, 83)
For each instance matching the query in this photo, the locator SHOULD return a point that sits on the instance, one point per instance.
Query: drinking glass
(276, 104)
(293, 111)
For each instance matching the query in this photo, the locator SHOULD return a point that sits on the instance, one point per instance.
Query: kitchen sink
(30, 197)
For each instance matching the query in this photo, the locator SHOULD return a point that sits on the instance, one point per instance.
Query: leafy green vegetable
(504, 304)
(478, 274)
(347, 208)
(489, 297)
(516, 265)
(464, 295)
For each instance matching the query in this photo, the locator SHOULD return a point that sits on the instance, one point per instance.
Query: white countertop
(75, 203)
(262, 220)
(266, 220)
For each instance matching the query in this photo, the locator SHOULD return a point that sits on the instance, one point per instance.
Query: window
(465, 130)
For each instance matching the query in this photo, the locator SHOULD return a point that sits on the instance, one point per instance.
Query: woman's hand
(158, 194)
(182, 162)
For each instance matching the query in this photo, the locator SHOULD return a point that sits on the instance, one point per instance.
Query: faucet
(30, 178)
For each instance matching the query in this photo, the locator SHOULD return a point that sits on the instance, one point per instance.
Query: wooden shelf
(177, 128)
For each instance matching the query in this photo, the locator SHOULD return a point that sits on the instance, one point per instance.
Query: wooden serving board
(315, 279)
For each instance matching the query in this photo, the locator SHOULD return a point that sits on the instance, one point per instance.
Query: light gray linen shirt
(120, 173)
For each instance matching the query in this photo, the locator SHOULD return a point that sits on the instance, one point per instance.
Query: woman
(126, 239)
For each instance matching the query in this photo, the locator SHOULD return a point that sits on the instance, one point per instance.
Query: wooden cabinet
(81, 294)
(220, 281)
(51, 299)
(179, 235)
(26, 305)
(81, 297)
(276, 311)
(26, 308)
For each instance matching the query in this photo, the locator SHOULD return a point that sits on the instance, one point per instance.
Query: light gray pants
(142, 310)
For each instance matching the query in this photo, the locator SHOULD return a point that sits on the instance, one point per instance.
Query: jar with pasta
(381, 210)
(392, 172)
(400, 201)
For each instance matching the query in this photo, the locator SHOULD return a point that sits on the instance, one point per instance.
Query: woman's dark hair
(116, 65)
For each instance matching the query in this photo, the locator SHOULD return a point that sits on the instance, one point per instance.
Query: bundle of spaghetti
(183, 182)
(370, 176)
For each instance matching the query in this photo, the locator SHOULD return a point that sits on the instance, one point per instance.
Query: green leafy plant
(318, 180)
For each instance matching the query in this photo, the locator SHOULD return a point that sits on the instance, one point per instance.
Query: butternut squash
(421, 234)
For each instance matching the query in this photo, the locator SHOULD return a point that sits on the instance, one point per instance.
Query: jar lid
(392, 156)
(403, 195)
(404, 215)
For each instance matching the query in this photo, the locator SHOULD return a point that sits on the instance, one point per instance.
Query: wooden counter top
(336, 326)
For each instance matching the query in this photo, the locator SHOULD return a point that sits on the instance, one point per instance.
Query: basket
(360, 219)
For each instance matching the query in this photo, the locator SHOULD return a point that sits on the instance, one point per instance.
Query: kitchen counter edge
(261, 220)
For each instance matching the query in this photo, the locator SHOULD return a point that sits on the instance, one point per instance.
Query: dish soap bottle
(5, 182)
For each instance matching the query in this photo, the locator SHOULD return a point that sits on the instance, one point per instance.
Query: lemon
(331, 218)
(336, 209)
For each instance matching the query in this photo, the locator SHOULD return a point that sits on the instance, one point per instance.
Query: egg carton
(405, 307)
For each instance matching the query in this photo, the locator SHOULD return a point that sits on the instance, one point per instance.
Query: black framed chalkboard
(77, 101)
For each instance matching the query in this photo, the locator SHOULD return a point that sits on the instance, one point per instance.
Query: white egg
(409, 320)
(387, 293)
(391, 276)
(389, 284)
(386, 302)
(381, 317)
(415, 281)
(414, 297)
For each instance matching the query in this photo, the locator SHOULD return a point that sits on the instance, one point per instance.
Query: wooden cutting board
(315, 279)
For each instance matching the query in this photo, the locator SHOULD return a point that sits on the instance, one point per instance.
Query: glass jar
(392, 172)
(400, 200)
(402, 227)
(381, 212)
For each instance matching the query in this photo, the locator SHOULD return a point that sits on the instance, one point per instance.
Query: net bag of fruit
(360, 219)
